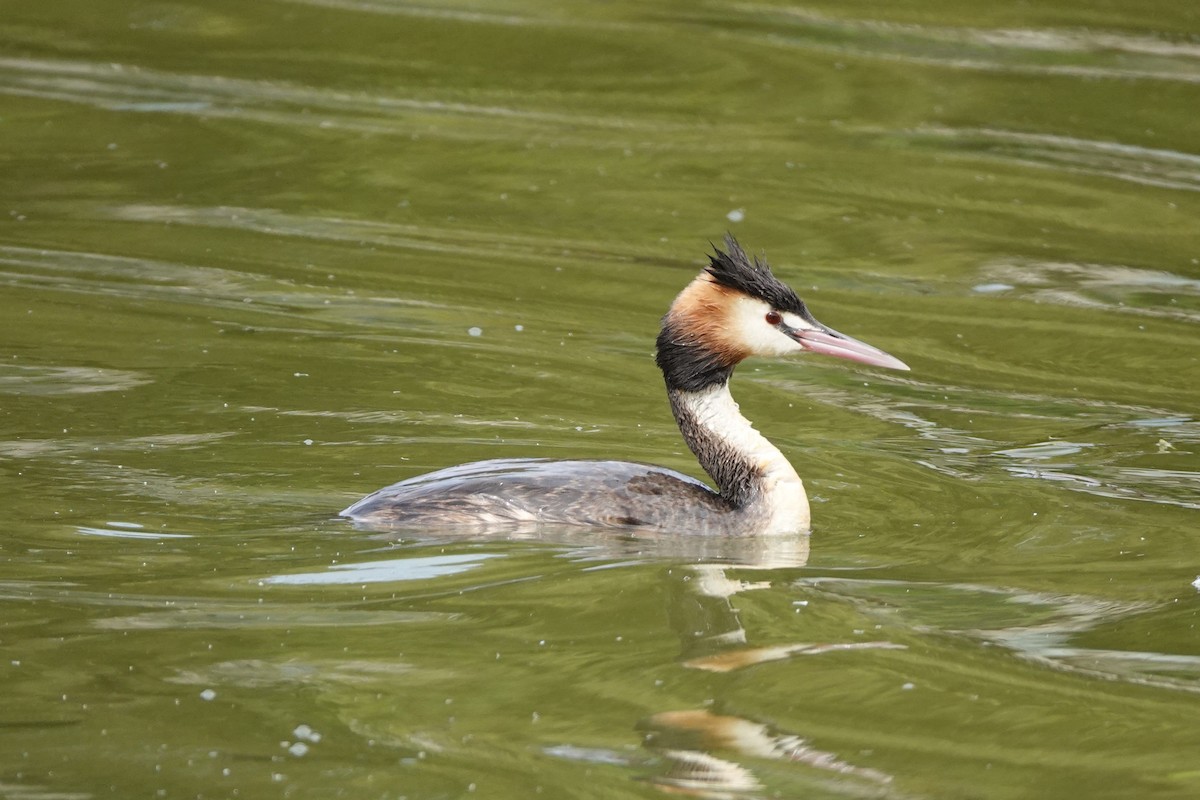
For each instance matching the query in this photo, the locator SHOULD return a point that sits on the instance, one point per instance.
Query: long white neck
(750, 472)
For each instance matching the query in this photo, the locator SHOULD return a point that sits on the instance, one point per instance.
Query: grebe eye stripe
(773, 317)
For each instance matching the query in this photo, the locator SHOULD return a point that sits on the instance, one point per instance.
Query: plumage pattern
(536, 490)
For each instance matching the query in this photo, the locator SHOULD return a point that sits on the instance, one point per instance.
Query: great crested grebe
(735, 308)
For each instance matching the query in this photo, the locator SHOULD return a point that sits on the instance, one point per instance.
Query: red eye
(773, 317)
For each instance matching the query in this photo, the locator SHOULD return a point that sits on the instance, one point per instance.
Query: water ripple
(1070, 53)
(411, 10)
(1108, 463)
(1041, 627)
(237, 293)
(1112, 287)
(123, 87)
(427, 238)
(386, 571)
(46, 380)
(1149, 166)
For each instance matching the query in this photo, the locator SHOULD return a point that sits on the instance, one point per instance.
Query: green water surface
(259, 259)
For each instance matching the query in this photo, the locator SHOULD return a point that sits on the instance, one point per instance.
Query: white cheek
(795, 322)
(760, 337)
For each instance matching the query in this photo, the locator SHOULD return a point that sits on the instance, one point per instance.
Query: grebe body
(582, 492)
(734, 309)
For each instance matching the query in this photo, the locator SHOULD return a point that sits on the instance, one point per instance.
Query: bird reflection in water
(703, 751)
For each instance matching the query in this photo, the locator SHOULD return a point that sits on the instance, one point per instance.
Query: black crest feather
(738, 271)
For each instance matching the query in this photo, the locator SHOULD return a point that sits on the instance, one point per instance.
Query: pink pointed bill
(831, 343)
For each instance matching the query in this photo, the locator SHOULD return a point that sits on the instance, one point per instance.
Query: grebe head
(737, 308)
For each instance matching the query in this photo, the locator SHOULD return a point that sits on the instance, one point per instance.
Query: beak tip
(889, 362)
(831, 343)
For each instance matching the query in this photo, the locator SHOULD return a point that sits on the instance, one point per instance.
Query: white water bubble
(306, 732)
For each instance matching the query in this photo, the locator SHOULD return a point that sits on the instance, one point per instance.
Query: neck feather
(688, 363)
(751, 473)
